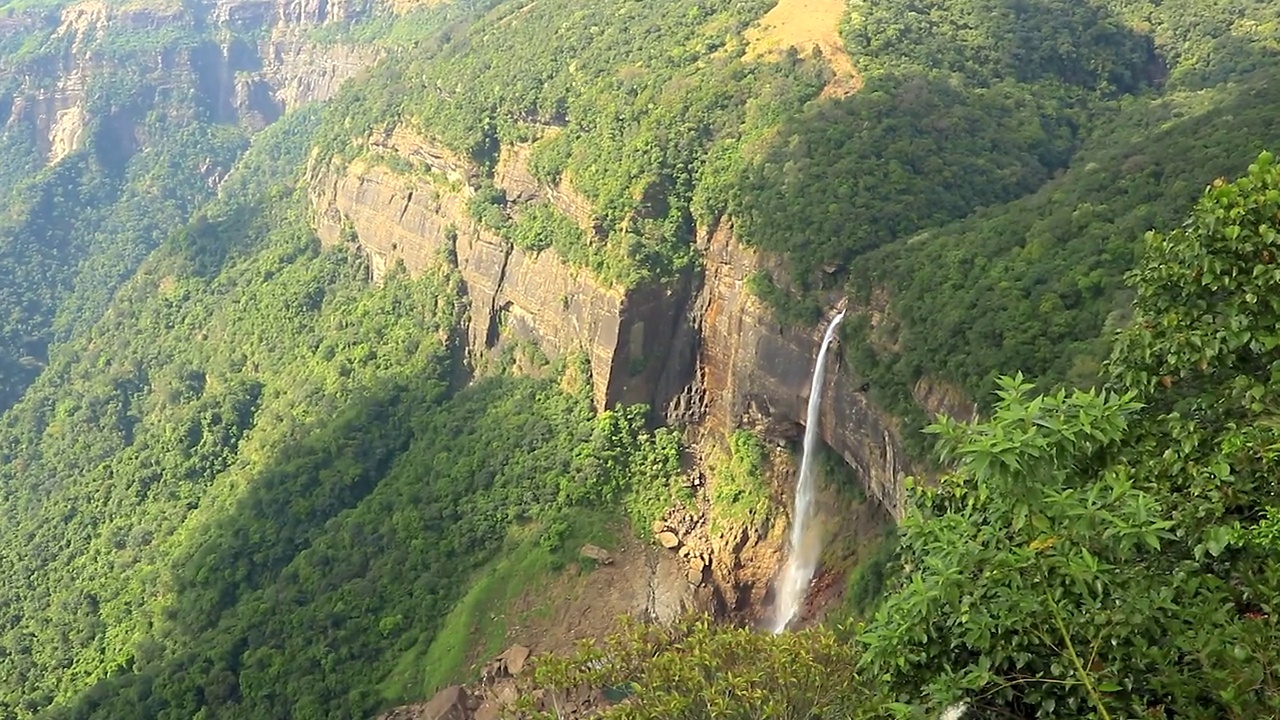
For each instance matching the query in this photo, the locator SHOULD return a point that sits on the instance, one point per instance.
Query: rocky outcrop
(255, 62)
(489, 700)
(53, 97)
(412, 219)
(299, 72)
(699, 351)
(753, 372)
(596, 554)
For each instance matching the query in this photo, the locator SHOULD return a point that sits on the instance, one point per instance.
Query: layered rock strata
(702, 350)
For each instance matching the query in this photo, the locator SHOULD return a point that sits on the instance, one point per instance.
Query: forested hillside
(238, 479)
(249, 449)
(1139, 105)
(72, 232)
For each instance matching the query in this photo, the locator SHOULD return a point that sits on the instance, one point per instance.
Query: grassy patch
(478, 623)
(807, 25)
(739, 494)
(840, 475)
(869, 578)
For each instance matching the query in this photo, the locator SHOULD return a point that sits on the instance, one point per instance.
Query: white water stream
(803, 551)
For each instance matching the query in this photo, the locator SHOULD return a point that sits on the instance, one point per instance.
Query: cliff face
(287, 69)
(412, 219)
(753, 372)
(702, 351)
(249, 61)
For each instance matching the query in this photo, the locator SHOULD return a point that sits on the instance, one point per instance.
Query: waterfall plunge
(803, 551)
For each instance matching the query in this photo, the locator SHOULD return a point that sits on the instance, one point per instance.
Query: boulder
(493, 670)
(694, 577)
(696, 564)
(515, 658)
(599, 554)
(448, 704)
(668, 540)
(506, 693)
(659, 527)
(489, 710)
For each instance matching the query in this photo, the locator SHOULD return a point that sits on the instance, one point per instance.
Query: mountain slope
(265, 430)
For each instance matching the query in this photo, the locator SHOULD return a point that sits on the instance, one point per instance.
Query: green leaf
(1109, 687)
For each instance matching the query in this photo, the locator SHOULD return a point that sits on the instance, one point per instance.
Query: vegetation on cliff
(1092, 554)
(253, 490)
(647, 109)
(241, 482)
(1001, 243)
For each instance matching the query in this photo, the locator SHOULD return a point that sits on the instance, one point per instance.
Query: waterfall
(803, 551)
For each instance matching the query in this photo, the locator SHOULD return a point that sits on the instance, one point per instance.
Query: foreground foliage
(697, 670)
(1092, 554)
(1112, 554)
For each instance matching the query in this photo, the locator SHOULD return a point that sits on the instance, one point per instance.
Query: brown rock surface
(515, 658)
(243, 82)
(535, 296)
(448, 704)
(597, 553)
(668, 540)
(752, 371)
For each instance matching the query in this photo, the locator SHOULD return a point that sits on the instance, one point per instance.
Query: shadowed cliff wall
(701, 350)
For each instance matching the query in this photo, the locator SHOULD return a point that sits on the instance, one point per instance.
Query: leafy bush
(740, 496)
(540, 226)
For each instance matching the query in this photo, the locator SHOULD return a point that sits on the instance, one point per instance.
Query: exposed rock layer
(702, 350)
(231, 76)
(536, 296)
(751, 371)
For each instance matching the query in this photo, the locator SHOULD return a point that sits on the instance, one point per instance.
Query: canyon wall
(751, 371)
(420, 218)
(244, 62)
(701, 351)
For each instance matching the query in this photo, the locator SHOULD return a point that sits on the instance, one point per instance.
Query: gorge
(462, 358)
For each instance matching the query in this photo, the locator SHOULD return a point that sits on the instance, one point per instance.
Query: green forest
(1102, 553)
(240, 480)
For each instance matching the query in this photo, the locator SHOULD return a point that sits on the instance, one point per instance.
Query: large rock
(597, 553)
(514, 659)
(668, 540)
(505, 693)
(448, 704)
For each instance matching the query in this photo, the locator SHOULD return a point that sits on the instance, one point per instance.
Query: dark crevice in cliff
(495, 306)
(408, 200)
(676, 395)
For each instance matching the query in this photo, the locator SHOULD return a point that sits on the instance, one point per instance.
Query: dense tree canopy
(238, 481)
(1091, 554)
(992, 188)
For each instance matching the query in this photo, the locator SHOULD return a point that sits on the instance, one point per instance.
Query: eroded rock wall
(753, 372)
(233, 77)
(420, 219)
(701, 351)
